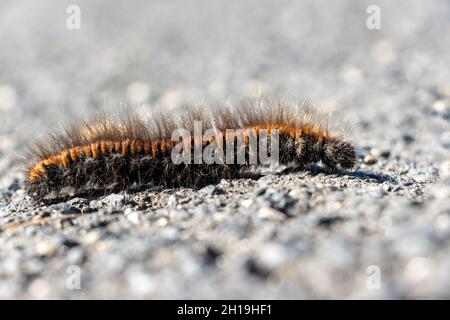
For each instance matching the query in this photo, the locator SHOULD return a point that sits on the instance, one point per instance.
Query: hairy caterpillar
(130, 151)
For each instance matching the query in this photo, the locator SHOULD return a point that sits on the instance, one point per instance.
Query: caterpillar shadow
(313, 170)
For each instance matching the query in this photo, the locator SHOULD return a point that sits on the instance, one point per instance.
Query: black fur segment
(57, 174)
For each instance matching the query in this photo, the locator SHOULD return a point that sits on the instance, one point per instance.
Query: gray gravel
(293, 235)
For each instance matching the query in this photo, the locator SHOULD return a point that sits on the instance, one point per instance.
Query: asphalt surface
(380, 231)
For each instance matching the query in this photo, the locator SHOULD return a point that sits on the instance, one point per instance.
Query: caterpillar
(132, 151)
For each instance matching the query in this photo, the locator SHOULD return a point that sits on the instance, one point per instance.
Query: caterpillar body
(132, 151)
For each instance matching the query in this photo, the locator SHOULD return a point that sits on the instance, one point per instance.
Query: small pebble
(370, 159)
(271, 214)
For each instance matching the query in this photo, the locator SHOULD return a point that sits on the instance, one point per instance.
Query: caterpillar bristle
(131, 151)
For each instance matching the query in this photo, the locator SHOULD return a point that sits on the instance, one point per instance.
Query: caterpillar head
(337, 152)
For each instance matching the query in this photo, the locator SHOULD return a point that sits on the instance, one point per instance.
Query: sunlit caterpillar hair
(132, 151)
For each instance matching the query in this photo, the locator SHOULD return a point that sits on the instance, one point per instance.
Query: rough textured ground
(291, 235)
